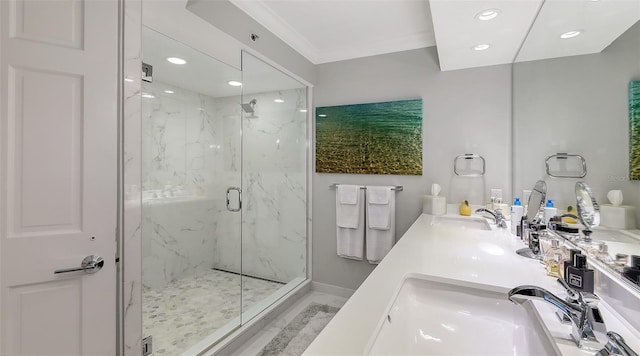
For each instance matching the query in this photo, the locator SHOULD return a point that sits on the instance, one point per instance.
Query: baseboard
(331, 289)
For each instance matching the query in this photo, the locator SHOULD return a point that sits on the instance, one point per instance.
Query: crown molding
(263, 14)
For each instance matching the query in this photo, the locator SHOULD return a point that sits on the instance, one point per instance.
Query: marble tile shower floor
(186, 311)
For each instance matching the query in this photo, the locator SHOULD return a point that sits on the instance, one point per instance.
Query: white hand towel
(351, 240)
(348, 206)
(348, 194)
(379, 240)
(379, 207)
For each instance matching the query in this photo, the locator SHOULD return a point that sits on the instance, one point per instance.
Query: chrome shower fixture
(249, 108)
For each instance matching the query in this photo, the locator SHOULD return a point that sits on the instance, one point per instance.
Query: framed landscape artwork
(373, 138)
(634, 130)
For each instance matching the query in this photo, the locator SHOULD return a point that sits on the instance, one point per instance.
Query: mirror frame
(588, 211)
(534, 209)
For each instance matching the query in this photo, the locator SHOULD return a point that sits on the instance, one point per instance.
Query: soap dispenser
(579, 276)
(517, 211)
(549, 211)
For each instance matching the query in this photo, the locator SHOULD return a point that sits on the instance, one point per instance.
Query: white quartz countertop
(485, 257)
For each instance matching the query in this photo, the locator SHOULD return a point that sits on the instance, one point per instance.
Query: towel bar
(398, 188)
(557, 165)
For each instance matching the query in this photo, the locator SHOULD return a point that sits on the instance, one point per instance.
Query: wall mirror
(536, 199)
(587, 206)
(570, 94)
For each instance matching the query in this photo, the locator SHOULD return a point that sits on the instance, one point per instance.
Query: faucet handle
(591, 299)
(572, 294)
(575, 296)
(616, 346)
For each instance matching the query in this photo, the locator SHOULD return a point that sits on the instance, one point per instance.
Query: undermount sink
(528, 253)
(435, 317)
(472, 223)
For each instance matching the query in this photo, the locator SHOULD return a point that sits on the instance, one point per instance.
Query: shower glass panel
(274, 184)
(191, 154)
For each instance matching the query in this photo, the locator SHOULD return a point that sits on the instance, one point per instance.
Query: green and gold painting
(634, 130)
(373, 138)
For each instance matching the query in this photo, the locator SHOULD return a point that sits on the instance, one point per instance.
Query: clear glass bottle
(552, 259)
(621, 261)
(590, 247)
(603, 256)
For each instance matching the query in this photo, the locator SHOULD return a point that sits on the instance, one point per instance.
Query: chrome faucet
(616, 346)
(588, 325)
(499, 219)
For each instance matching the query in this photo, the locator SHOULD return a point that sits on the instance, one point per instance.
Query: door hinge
(147, 346)
(147, 72)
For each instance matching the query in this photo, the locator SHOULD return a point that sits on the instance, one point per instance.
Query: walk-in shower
(224, 225)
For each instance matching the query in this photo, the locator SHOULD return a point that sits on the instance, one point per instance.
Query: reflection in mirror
(572, 95)
(588, 209)
(536, 199)
(530, 227)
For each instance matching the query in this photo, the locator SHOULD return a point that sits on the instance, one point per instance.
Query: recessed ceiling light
(303, 110)
(234, 83)
(148, 96)
(278, 100)
(481, 47)
(322, 115)
(486, 15)
(169, 91)
(570, 34)
(176, 60)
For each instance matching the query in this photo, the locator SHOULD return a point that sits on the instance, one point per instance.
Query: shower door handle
(229, 199)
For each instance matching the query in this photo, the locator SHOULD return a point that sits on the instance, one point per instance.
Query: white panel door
(58, 175)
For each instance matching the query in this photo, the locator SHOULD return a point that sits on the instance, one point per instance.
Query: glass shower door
(191, 156)
(274, 184)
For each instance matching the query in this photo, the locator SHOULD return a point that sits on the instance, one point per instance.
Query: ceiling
(333, 30)
(601, 22)
(204, 74)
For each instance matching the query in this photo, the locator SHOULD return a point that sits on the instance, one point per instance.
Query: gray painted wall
(465, 111)
(578, 105)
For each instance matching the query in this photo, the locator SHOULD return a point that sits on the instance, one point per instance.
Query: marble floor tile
(186, 311)
(255, 345)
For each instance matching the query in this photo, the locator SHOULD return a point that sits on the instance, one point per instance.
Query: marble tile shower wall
(189, 150)
(191, 155)
(274, 190)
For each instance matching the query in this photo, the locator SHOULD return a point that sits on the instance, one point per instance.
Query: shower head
(248, 108)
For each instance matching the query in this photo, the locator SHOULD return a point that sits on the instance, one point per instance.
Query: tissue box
(618, 217)
(434, 205)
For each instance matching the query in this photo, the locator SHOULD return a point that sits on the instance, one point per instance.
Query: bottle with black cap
(579, 276)
(632, 272)
(569, 261)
